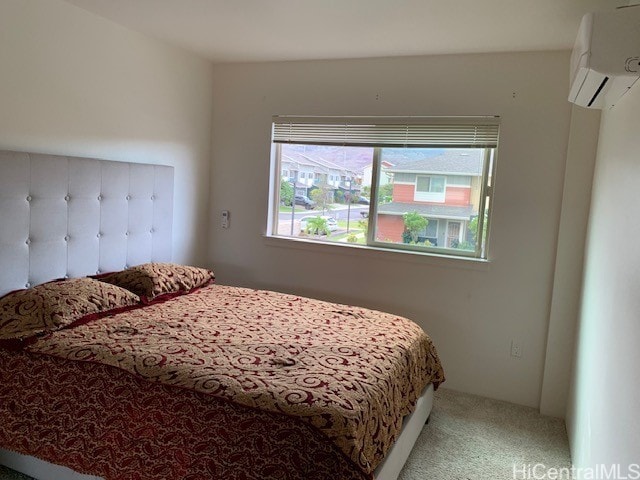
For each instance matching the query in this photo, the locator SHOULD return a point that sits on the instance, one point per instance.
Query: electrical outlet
(225, 219)
(516, 349)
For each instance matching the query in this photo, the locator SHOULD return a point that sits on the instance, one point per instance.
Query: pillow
(53, 305)
(155, 281)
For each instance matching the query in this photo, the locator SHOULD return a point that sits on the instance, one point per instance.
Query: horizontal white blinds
(461, 132)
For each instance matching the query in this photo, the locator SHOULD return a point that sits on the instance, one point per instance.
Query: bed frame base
(412, 425)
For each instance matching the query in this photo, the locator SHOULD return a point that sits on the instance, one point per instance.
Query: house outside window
(419, 184)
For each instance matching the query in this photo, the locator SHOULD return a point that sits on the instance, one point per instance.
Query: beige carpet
(474, 438)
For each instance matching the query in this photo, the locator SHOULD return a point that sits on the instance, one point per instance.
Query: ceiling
(270, 30)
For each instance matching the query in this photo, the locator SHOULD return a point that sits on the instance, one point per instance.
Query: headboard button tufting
(38, 238)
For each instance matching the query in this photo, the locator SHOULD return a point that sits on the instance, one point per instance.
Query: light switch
(225, 219)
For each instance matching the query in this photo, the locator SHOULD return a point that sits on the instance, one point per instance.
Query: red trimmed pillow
(153, 281)
(53, 305)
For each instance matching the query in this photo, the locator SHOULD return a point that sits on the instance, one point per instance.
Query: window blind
(430, 132)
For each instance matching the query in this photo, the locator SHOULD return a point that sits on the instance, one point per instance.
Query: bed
(202, 381)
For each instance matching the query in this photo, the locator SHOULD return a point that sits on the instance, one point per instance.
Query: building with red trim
(442, 185)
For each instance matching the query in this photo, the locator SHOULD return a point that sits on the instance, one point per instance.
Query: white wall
(472, 311)
(567, 281)
(602, 418)
(76, 84)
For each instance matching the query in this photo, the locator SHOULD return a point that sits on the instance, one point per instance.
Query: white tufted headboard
(71, 217)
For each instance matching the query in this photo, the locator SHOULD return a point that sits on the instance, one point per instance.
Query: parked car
(305, 201)
(332, 223)
(363, 201)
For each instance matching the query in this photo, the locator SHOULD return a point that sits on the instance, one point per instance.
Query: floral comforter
(343, 373)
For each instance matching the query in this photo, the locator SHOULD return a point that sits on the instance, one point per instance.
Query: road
(337, 213)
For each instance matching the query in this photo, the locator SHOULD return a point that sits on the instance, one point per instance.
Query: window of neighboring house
(429, 184)
(429, 189)
(285, 173)
(430, 232)
(459, 180)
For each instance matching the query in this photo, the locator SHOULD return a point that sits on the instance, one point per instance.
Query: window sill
(384, 254)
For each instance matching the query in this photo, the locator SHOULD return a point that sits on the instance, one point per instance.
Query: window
(430, 232)
(429, 184)
(429, 189)
(459, 180)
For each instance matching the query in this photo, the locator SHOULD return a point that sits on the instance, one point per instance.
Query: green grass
(342, 237)
(354, 224)
(285, 209)
(338, 237)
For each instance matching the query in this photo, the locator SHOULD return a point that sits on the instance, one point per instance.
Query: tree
(385, 193)
(286, 191)
(321, 195)
(317, 226)
(473, 229)
(364, 225)
(414, 224)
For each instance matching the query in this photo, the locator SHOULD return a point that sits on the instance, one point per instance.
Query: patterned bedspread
(349, 373)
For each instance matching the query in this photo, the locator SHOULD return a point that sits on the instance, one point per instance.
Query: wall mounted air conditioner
(605, 62)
